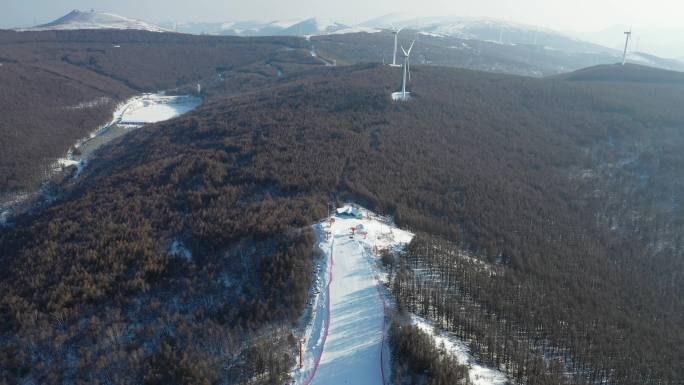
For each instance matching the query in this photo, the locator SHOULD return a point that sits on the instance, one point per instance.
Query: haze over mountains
(607, 42)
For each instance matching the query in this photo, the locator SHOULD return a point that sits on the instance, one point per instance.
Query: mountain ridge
(92, 19)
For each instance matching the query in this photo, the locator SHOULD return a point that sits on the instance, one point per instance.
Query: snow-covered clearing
(153, 108)
(135, 112)
(479, 375)
(7, 207)
(178, 249)
(327, 63)
(345, 340)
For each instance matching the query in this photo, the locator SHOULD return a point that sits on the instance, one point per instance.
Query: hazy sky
(566, 15)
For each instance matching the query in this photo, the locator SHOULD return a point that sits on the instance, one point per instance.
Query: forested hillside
(95, 287)
(57, 87)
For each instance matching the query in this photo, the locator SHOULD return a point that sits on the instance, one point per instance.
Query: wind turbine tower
(403, 95)
(395, 32)
(628, 36)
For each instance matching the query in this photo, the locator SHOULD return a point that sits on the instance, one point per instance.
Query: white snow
(90, 104)
(178, 249)
(65, 162)
(283, 23)
(479, 375)
(313, 26)
(153, 108)
(639, 58)
(356, 29)
(431, 34)
(400, 96)
(345, 340)
(7, 207)
(95, 20)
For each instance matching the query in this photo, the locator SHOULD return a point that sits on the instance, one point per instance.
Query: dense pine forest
(58, 87)
(541, 183)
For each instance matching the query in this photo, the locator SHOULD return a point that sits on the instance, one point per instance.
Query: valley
(133, 113)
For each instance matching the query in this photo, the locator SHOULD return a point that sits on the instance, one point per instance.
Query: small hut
(349, 212)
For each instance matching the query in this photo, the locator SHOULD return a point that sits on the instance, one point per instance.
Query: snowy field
(153, 108)
(345, 340)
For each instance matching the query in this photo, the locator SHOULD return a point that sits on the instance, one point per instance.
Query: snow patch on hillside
(178, 249)
(479, 375)
(355, 30)
(636, 57)
(101, 101)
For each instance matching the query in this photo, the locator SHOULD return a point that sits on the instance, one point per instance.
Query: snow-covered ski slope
(345, 342)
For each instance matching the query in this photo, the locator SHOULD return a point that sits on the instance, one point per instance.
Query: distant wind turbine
(628, 35)
(403, 95)
(395, 32)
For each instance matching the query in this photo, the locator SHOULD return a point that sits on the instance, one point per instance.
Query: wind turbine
(628, 35)
(395, 32)
(403, 95)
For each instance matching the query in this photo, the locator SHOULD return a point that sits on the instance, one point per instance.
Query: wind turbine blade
(411, 47)
(405, 53)
(400, 29)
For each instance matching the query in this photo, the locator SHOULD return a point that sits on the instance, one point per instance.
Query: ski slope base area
(345, 341)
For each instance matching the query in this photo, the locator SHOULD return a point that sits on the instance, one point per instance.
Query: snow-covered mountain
(308, 27)
(662, 41)
(314, 26)
(484, 29)
(232, 28)
(95, 20)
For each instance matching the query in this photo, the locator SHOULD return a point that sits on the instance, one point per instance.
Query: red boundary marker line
(384, 331)
(327, 323)
(327, 320)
